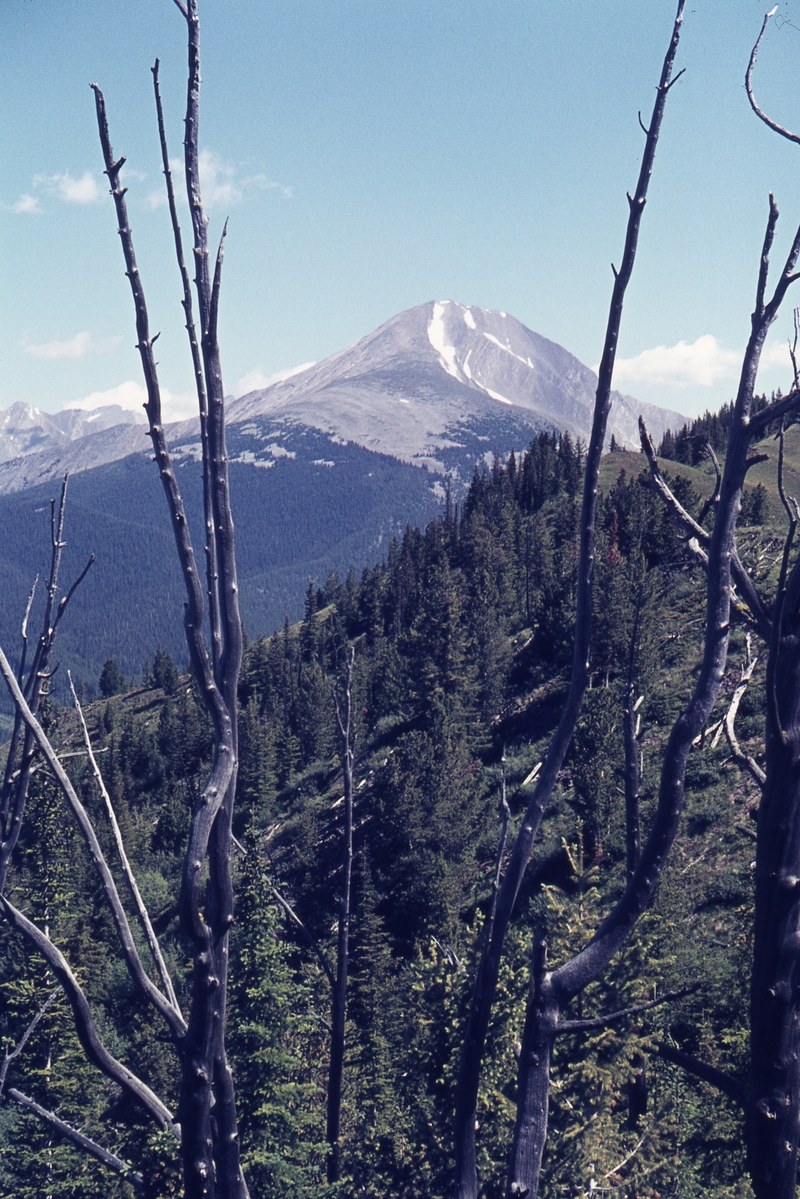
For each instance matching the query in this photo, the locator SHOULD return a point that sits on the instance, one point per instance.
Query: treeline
(462, 636)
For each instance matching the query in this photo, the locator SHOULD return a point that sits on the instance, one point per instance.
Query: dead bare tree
(771, 1098)
(474, 1038)
(344, 719)
(551, 991)
(205, 1122)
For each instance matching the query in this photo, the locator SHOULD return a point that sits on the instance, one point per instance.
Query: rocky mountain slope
(443, 386)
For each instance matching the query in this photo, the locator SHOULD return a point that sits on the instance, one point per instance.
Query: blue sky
(372, 155)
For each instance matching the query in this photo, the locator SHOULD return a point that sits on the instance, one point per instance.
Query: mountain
(32, 441)
(442, 386)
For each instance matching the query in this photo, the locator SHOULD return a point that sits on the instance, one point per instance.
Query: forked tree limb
(130, 952)
(193, 615)
(88, 1036)
(212, 579)
(141, 908)
(614, 1017)
(224, 765)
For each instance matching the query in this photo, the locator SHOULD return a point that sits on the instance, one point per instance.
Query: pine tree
(276, 1046)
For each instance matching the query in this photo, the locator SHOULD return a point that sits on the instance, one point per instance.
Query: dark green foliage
(755, 506)
(111, 680)
(276, 1041)
(688, 444)
(165, 672)
(127, 606)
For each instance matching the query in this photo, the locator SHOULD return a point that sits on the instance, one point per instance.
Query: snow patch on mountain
(436, 336)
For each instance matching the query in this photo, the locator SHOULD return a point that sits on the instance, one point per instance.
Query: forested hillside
(461, 637)
(126, 607)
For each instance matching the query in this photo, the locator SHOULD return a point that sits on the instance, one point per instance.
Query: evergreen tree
(111, 681)
(276, 1047)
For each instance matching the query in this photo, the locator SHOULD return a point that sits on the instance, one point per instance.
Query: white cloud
(220, 183)
(256, 380)
(85, 190)
(776, 353)
(26, 204)
(702, 363)
(131, 396)
(75, 347)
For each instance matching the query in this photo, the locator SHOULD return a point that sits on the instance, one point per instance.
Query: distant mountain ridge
(441, 386)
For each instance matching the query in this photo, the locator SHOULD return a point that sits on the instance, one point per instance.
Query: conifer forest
(482, 879)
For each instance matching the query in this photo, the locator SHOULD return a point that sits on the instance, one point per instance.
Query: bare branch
(769, 236)
(723, 1082)
(748, 83)
(78, 1138)
(737, 753)
(93, 1047)
(11, 1054)
(626, 1159)
(66, 598)
(614, 1017)
(24, 631)
(714, 497)
(312, 941)
(214, 308)
(141, 908)
(660, 484)
(741, 578)
(772, 412)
